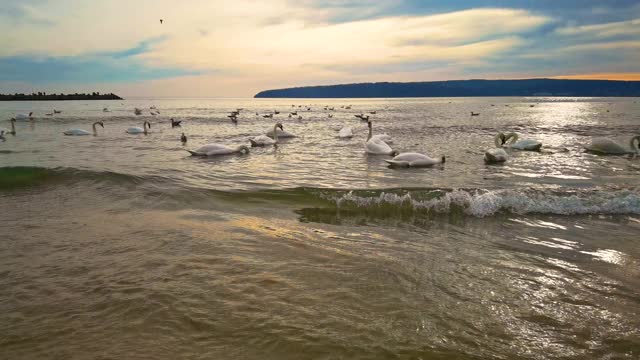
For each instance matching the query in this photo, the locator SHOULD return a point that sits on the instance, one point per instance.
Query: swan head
(635, 143)
(279, 125)
(443, 159)
(13, 120)
(511, 137)
(100, 123)
(147, 123)
(31, 113)
(500, 140)
(394, 153)
(243, 149)
(369, 124)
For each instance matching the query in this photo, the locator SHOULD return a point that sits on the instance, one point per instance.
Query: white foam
(481, 203)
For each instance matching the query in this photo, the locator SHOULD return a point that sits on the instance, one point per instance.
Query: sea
(121, 246)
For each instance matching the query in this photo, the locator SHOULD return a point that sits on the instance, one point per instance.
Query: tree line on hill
(44, 96)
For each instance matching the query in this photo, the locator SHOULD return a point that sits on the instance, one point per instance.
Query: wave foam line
(482, 203)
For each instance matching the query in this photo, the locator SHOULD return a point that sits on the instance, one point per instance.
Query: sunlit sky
(236, 48)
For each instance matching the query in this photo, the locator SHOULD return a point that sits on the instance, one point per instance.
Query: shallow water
(121, 246)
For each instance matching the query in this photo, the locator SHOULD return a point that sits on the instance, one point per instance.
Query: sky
(214, 48)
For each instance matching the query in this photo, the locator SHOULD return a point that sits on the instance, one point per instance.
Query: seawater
(121, 246)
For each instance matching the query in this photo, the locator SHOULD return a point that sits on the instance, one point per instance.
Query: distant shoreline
(40, 96)
(464, 88)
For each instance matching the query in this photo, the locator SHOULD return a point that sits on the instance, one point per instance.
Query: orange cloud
(602, 76)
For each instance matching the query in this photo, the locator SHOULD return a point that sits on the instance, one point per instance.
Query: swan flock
(375, 144)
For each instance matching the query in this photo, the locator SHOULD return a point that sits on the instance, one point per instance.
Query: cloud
(607, 30)
(603, 76)
(120, 66)
(24, 13)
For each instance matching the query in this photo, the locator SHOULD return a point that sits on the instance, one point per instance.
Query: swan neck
(370, 132)
(275, 133)
(635, 148)
(513, 137)
(496, 140)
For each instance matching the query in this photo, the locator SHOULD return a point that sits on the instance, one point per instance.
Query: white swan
(345, 133)
(13, 128)
(24, 116)
(137, 130)
(510, 140)
(79, 132)
(281, 133)
(375, 146)
(496, 155)
(609, 147)
(218, 149)
(264, 140)
(414, 160)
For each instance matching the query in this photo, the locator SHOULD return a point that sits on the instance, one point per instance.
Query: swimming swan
(497, 155)
(345, 133)
(264, 140)
(609, 147)
(79, 132)
(23, 116)
(375, 146)
(281, 133)
(510, 140)
(414, 160)
(137, 130)
(217, 149)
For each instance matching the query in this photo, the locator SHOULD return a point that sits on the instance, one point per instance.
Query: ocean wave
(378, 202)
(483, 203)
(12, 177)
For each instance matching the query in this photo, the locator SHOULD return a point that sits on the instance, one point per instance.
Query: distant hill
(453, 88)
(39, 96)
